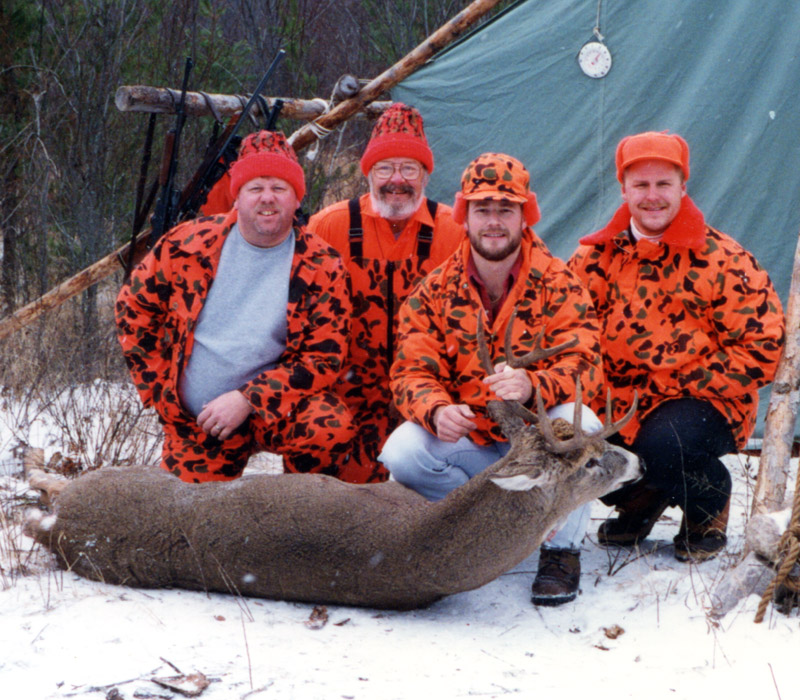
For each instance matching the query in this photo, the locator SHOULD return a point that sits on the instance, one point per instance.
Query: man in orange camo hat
(438, 382)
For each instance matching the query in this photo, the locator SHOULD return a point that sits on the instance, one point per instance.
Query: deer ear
(520, 482)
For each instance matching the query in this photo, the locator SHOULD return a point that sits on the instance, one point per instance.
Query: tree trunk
(776, 450)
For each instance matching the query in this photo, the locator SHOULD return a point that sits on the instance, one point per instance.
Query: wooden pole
(143, 98)
(299, 140)
(776, 450)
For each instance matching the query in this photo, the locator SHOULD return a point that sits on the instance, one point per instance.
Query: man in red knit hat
(389, 239)
(235, 329)
(692, 325)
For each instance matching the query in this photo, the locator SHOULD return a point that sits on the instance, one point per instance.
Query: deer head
(558, 437)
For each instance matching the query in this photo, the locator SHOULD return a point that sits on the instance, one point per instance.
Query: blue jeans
(433, 468)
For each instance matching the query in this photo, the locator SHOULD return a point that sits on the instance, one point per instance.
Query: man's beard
(496, 254)
(396, 210)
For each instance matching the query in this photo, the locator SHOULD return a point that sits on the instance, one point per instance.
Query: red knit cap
(658, 145)
(398, 133)
(496, 176)
(267, 154)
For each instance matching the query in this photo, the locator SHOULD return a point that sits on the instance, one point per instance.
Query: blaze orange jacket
(692, 316)
(157, 310)
(383, 271)
(437, 362)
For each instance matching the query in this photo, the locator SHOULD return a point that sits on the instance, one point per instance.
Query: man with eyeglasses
(389, 239)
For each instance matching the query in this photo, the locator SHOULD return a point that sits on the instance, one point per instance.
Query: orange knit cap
(658, 145)
(267, 154)
(496, 176)
(398, 133)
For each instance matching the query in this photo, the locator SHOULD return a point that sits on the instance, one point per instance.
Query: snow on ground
(639, 629)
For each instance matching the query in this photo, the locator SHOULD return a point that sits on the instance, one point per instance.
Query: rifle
(164, 216)
(219, 157)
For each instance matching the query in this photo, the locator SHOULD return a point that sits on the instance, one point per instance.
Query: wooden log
(776, 451)
(143, 98)
(299, 140)
(69, 288)
(755, 572)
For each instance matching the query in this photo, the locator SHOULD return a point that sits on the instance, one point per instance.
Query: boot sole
(697, 557)
(552, 601)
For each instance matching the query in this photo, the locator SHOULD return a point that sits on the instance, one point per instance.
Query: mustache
(396, 189)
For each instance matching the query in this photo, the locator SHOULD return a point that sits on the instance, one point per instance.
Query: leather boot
(558, 576)
(636, 518)
(702, 541)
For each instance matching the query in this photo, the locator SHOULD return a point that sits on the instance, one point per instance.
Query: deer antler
(538, 352)
(509, 408)
(580, 439)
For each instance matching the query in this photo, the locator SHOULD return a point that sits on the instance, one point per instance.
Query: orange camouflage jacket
(692, 316)
(437, 361)
(157, 310)
(383, 271)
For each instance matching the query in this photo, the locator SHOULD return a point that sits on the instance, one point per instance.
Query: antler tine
(538, 352)
(577, 441)
(610, 428)
(507, 408)
(577, 413)
(483, 350)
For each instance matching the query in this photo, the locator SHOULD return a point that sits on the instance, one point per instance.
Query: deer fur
(316, 539)
(312, 538)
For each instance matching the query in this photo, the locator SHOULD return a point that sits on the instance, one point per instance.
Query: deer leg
(48, 485)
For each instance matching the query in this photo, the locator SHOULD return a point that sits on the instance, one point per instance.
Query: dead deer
(315, 539)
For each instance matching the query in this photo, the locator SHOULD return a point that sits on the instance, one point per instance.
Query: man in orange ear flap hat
(439, 384)
(692, 325)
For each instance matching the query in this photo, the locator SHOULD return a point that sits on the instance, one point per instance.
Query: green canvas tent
(725, 74)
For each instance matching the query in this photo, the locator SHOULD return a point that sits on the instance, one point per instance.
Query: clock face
(594, 59)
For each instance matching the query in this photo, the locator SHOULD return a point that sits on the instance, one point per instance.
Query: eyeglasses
(408, 171)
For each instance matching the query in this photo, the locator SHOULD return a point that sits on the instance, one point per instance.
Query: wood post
(400, 70)
(776, 449)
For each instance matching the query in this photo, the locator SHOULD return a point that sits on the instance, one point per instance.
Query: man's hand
(221, 416)
(510, 384)
(453, 422)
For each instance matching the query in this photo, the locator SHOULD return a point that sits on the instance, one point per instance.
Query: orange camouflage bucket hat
(500, 177)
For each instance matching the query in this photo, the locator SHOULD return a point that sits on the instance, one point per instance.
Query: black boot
(701, 541)
(558, 576)
(637, 516)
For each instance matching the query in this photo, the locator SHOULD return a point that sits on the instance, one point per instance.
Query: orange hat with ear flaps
(500, 177)
(652, 145)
